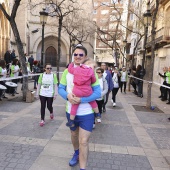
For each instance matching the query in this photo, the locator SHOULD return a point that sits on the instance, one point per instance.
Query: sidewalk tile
(135, 151)
(119, 149)
(158, 162)
(58, 148)
(165, 152)
(153, 153)
(102, 148)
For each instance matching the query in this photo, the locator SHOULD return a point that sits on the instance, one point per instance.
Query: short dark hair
(100, 69)
(81, 48)
(15, 61)
(47, 64)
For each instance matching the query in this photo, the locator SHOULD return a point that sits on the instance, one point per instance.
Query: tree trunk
(151, 68)
(21, 57)
(59, 46)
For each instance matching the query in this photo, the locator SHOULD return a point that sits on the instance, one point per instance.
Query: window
(103, 12)
(113, 18)
(112, 26)
(103, 36)
(105, 3)
(94, 11)
(114, 1)
(131, 16)
(103, 28)
(104, 20)
(95, 3)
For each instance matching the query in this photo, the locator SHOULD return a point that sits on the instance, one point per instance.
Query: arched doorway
(51, 56)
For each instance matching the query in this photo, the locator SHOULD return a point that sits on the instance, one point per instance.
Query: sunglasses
(99, 72)
(80, 55)
(49, 68)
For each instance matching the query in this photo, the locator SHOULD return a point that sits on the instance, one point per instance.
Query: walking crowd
(85, 87)
(11, 67)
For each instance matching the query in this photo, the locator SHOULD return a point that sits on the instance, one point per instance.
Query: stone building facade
(4, 29)
(30, 29)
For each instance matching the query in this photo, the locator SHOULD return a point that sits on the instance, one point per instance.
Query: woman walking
(116, 83)
(103, 87)
(47, 91)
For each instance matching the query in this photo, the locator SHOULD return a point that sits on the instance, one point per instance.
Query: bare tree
(11, 19)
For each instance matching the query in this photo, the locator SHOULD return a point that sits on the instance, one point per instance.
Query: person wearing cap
(124, 79)
(107, 75)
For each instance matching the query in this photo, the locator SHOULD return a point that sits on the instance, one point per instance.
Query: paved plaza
(125, 140)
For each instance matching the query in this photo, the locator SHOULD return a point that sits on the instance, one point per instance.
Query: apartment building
(108, 15)
(162, 40)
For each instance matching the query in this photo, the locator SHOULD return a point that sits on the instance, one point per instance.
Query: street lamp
(43, 20)
(124, 44)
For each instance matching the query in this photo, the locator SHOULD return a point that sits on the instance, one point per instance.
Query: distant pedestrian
(47, 91)
(162, 89)
(7, 58)
(107, 75)
(13, 56)
(139, 83)
(103, 87)
(116, 83)
(36, 70)
(124, 79)
(168, 83)
(31, 61)
(132, 80)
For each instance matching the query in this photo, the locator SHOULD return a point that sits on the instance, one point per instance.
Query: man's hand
(70, 97)
(54, 97)
(77, 100)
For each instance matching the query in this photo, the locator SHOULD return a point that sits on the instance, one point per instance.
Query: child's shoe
(70, 123)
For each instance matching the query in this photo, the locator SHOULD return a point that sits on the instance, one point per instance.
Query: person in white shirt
(3, 74)
(124, 78)
(103, 87)
(116, 83)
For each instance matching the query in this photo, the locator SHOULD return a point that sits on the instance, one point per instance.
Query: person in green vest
(168, 83)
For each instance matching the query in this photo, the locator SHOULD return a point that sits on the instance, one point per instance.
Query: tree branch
(15, 8)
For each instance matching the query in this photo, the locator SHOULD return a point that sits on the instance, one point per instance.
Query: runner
(84, 119)
(47, 91)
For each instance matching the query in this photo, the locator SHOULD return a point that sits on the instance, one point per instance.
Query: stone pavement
(125, 140)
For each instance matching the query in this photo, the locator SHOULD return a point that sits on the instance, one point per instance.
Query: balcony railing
(162, 35)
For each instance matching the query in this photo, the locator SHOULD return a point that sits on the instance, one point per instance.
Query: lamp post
(43, 20)
(124, 44)
(147, 20)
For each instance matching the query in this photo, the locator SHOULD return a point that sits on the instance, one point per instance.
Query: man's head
(103, 66)
(124, 69)
(79, 54)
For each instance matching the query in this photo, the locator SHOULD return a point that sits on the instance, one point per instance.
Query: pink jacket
(83, 78)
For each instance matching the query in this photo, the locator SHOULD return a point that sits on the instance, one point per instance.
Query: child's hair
(89, 61)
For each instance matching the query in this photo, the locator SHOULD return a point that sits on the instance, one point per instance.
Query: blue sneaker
(74, 160)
